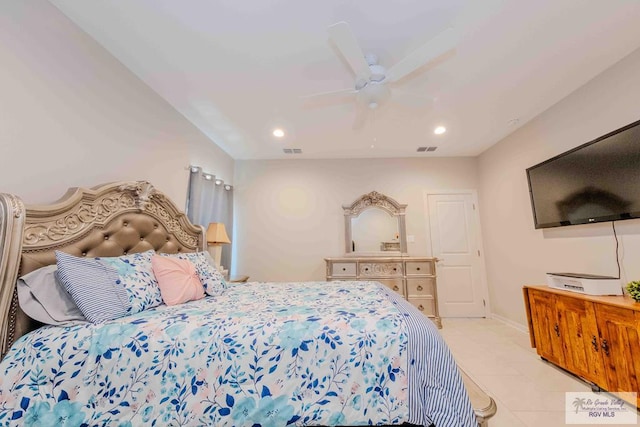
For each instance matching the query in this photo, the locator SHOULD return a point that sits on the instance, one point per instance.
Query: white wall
(72, 115)
(288, 213)
(516, 253)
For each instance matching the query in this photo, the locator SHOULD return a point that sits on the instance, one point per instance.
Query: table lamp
(216, 237)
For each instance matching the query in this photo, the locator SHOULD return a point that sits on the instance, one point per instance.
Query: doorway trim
(484, 288)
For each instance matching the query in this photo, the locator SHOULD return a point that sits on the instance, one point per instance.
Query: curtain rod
(208, 176)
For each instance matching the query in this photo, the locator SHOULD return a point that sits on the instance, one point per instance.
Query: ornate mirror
(375, 225)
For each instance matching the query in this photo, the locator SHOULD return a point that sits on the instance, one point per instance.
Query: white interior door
(455, 241)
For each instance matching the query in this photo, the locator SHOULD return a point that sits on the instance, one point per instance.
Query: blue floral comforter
(266, 354)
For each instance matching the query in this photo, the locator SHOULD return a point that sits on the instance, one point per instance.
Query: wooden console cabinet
(594, 337)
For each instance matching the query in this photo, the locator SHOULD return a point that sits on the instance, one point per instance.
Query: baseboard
(516, 325)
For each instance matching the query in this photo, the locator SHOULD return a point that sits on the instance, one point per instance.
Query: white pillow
(43, 298)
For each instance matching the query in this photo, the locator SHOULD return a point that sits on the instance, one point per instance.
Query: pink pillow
(177, 279)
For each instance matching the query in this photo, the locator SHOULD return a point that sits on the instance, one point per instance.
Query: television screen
(597, 181)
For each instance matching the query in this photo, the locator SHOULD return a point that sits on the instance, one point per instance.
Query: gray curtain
(209, 199)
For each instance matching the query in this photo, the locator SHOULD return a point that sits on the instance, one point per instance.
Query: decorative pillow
(210, 277)
(129, 278)
(177, 280)
(136, 275)
(43, 298)
(93, 287)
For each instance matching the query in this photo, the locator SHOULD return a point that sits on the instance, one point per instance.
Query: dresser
(412, 277)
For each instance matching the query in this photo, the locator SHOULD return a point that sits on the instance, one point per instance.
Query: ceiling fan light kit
(371, 78)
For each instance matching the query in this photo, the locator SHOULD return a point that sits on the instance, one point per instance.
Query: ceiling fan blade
(440, 44)
(346, 42)
(330, 94)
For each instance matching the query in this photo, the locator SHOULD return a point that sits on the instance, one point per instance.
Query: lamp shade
(217, 234)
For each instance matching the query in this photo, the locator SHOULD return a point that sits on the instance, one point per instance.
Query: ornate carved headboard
(108, 220)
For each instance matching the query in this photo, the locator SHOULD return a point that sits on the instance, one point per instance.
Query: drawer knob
(344, 269)
(421, 307)
(395, 269)
(366, 269)
(418, 269)
(419, 287)
(396, 288)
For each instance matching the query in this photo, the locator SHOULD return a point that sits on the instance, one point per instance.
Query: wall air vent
(292, 150)
(423, 149)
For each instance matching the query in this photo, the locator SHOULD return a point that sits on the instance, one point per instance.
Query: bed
(254, 354)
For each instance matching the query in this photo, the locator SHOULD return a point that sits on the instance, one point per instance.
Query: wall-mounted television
(597, 181)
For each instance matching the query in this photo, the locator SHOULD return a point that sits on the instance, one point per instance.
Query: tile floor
(499, 358)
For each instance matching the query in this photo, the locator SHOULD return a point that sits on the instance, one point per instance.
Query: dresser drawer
(421, 287)
(419, 267)
(345, 269)
(380, 269)
(426, 305)
(394, 284)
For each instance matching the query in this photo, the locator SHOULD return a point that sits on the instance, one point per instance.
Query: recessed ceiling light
(278, 133)
(440, 130)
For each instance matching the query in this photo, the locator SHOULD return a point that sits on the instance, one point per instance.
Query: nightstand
(238, 279)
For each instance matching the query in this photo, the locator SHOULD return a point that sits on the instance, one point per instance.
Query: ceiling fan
(372, 79)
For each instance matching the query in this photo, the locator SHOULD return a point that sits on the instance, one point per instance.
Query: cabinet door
(580, 340)
(395, 284)
(419, 267)
(546, 329)
(380, 269)
(343, 269)
(425, 305)
(620, 346)
(421, 287)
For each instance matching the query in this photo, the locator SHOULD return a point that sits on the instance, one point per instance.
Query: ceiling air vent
(292, 150)
(423, 149)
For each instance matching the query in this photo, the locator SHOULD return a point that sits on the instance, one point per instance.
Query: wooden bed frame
(108, 220)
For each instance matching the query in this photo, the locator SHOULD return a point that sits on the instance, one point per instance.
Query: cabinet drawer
(347, 269)
(394, 284)
(421, 287)
(426, 305)
(380, 269)
(419, 267)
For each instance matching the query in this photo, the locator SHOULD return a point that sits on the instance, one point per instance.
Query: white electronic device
(585, 283)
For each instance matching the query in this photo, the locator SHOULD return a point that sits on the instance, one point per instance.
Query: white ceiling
(238, 68)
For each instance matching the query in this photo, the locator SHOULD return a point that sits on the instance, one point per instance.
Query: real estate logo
(599, 408)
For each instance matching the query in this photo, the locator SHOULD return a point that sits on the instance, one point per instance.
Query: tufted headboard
(109, 220)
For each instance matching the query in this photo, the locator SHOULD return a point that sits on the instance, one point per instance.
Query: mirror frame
(380, 201)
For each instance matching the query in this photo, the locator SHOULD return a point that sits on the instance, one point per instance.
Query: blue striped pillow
(106, 288)
(93, 288)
